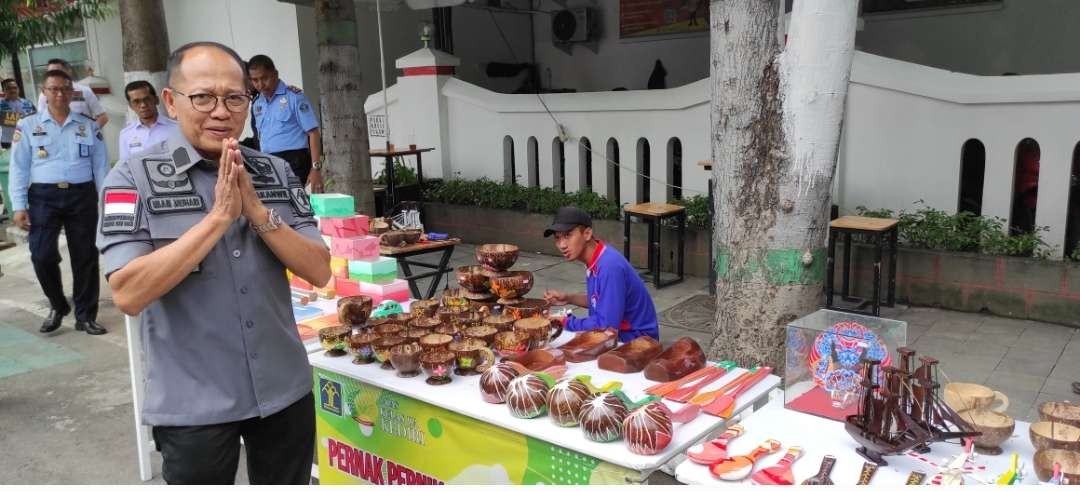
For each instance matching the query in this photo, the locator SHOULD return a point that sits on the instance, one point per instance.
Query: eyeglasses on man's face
(206, 102)
(58, 89)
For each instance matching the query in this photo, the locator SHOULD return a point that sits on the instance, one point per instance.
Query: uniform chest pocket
(44, 141)
(284, 112)
(84, 145)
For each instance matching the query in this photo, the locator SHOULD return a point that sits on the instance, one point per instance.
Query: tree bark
(776, 118)
(16, 69)
(146, 43)
(344, 123)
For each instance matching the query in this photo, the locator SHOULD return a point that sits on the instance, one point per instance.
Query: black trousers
(280, 448)
(75, 210)
(299, 160)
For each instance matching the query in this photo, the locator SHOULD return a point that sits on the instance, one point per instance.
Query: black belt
(63, 185)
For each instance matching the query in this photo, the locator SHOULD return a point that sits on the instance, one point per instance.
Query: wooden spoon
(667, 387)
(685, 393)
(714, 450)
(739, 467)
(779, 474)
(707, 397)
(725, 404)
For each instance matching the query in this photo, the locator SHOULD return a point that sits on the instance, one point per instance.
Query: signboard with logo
(652, 17)
(368, 435)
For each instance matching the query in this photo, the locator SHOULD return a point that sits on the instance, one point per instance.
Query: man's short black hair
(177, 57)
(261, 61)
(3, 83)
(60, 61)
(136, 85)
(57, 73)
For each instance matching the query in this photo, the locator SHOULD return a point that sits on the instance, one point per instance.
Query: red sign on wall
(654, 17)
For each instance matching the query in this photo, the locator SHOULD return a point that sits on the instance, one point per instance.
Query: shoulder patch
(262, 171)
(304, 107)
(300, 202)
(17, 136)
(120, 210)
(164, 179)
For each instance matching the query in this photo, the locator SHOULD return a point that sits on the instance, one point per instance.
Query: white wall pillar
(420, 115)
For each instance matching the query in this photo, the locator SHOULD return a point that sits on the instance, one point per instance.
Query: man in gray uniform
(196, 234)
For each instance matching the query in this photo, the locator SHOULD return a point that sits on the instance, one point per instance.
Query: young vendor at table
(615, 295)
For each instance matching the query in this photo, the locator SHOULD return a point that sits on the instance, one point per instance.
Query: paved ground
(65, 399)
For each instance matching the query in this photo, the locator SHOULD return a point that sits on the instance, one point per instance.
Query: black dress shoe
(52, 321)
(91, 327)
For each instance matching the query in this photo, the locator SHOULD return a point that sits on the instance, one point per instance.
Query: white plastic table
(462, 396)
(820, 437)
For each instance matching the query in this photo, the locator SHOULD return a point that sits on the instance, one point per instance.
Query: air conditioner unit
(573, 25)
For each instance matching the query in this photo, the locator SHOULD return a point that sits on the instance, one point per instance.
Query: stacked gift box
(354, 255)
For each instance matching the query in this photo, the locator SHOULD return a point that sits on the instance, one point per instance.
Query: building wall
(1021, 36)
(616, 63)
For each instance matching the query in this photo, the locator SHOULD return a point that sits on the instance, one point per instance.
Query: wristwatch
(273, 221)
(316, 165)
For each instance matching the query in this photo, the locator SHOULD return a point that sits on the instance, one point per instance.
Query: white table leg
(144, 441)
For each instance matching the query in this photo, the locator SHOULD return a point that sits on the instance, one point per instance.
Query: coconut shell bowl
(438, 365)
(497, 257)
(473, 279)
(355, 310)
(362, 347)
(513, 286)
(406, 359)
(335, 340)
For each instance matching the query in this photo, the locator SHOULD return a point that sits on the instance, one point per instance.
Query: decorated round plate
(837, 352)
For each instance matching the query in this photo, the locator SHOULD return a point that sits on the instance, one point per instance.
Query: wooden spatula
(666, 387)
(723, 406)
(707, 397)
(683, 394)
(779, 474)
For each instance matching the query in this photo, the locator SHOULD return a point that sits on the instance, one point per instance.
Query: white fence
(904, 129)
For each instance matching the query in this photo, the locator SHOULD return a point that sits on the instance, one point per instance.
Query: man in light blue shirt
(58, 166)
(12, 109)
(150, 128)
(286, 122)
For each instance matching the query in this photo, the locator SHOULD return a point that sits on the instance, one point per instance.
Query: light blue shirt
(136, 137)
(43, 151)
(284, 120)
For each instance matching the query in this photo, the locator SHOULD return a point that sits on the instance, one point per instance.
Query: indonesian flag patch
(120, 211)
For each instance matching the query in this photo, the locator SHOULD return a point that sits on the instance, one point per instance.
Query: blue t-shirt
(284, 120)
(617, 298)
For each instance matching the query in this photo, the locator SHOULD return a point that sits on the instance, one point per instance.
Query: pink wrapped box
(355, 226)
(347, 287)
(397, 290)
(355, 247)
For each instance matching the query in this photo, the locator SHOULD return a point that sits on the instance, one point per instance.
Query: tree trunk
(776, 119)
(16, 69)
(344, 124)
(146, 43)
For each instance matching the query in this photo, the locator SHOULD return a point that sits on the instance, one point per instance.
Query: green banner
(369, 435)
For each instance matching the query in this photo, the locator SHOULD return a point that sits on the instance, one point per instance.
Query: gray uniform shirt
(222, 345)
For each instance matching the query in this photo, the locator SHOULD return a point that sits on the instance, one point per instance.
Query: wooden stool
(654, 214)
(881, 229)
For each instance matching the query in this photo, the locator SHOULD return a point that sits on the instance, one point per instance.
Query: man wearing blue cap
(615, 294)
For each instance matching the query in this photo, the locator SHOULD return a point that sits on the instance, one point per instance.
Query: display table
(819, 437)
(402, 254)
(378, 428)
(318, 315)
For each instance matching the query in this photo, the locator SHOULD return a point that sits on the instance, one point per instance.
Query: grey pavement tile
(1066, 369)
(954, 328)
(1003, 325)
(1027, 362)
(978, 347)
(914, 331)
(1005, 340)
(921, 315)
(940, 348)
(964, 373)
(1061, 387)
(1040, 344)
(1055, 330)
(1020, 412)
(986, 364)
(1020, 402)
(1009, 382)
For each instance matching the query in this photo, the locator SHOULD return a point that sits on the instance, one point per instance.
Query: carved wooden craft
(682, 357)
(739, 467)
(631, 357)
(780, 473)
(587, 345)
(527, 395)
(649, 429)
(567, 396)
(714, 450)
(822, 478)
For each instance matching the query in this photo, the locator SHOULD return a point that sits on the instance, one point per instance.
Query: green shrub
(928, 228)
(697, 211)
(486, 193)
(403, 175)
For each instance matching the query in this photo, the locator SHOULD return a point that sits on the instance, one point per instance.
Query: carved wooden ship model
(901, 410)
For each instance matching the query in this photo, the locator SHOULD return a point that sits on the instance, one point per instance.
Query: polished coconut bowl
(497, 257)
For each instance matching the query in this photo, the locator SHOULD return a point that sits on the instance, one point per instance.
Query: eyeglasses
(58, 90)
(206, 103)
